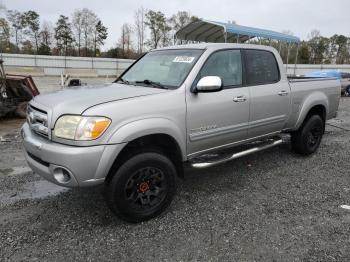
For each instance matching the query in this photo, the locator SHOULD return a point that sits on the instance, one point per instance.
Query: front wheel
(308, 138)
(142, 187)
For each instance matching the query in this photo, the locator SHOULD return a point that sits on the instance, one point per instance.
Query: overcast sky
(300, 17)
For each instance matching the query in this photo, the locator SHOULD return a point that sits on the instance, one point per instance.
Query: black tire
(21, 110)
(347, 91)
(308, 138)
(142, 187)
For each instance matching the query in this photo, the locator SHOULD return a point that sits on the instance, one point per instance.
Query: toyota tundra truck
(174, 108)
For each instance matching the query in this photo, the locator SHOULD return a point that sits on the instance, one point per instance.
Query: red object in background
(27, 81)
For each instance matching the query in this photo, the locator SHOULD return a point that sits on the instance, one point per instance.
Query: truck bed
(304, 89)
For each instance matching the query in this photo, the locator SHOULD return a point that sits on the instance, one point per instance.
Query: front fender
(314, 99)
(150, 126)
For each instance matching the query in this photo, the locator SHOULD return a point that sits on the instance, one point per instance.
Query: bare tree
(165, 33)
(125, 38)
(16, 20)
(140, 28)
(4, 32)
(89, 21)
(77, 25)
(46, 35)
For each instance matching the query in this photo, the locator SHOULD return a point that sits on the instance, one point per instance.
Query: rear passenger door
(270, 95)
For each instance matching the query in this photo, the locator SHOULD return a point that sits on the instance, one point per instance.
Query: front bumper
(87, 166)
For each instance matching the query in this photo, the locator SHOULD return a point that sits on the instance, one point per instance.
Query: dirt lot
(271, 206)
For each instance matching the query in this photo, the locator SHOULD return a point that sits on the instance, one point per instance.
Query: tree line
(83, 34)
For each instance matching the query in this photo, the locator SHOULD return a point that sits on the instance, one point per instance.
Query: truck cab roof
(214, 46)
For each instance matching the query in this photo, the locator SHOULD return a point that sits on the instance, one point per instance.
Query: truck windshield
(162, 69)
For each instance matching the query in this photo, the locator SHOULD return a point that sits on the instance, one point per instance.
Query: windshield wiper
(151, 83)
(121, 80)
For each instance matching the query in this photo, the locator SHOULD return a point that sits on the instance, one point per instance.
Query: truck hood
(76, 100)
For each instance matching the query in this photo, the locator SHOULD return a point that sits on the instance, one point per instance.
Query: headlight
(81, 127)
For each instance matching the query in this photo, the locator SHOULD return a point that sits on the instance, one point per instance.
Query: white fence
(38, 65)
(94, 67)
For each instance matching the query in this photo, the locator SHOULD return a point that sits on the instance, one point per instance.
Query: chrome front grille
(37, 120)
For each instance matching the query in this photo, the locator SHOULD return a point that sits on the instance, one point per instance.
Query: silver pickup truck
(173, 108)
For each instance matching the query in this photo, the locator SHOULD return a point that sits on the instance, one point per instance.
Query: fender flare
(149, 126)
(314, 99)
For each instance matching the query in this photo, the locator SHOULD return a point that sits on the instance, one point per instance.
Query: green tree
(100, 35)
(4, 35)
(181, 19)
(304, 54)
(44, 49)
(63, 34)
(32, 23)
(27, 47)
(317, 47)
(157, 23)
(340, 47)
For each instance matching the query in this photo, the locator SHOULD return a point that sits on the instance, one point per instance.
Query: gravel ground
(271, 206)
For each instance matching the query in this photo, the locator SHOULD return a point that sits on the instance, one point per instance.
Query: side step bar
(238, 154)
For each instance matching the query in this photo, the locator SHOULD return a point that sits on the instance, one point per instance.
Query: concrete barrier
(33, 71)
(38, 65)
(81, 72)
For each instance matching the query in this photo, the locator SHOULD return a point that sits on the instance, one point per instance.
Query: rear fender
(314, 99)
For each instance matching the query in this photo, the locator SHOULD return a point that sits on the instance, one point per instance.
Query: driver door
(218, 118)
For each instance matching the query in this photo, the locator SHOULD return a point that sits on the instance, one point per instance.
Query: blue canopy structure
(218, 32)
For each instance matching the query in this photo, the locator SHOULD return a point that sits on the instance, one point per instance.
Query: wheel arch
(157, 142)
(317, 103)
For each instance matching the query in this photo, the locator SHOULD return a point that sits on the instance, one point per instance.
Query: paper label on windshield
(183, 59)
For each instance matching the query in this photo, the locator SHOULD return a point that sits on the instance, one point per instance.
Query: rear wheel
(308, 138)
(142, 188)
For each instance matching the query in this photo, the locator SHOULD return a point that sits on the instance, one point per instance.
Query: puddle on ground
(32, 190)
(18, 170)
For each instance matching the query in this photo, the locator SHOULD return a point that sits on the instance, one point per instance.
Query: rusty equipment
(15, 92)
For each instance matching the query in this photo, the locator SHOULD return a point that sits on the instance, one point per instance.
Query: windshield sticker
(183, 59)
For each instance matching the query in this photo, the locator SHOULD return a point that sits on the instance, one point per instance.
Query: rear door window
(261, 67)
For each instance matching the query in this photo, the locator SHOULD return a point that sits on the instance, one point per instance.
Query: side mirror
(209, 84)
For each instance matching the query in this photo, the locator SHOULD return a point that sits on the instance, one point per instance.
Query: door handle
(238, 99)
(283, 93)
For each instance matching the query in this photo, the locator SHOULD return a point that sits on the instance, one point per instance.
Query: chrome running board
(270, 143)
